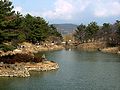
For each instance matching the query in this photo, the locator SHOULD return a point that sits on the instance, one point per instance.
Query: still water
(79, 70)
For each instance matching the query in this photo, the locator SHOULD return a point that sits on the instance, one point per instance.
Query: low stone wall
(22, 69)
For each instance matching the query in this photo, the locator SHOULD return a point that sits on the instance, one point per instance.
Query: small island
(19, 65)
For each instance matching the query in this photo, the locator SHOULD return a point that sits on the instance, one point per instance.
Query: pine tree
(6, 13)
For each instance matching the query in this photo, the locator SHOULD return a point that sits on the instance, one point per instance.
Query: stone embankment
(22, 69)
(101, 46)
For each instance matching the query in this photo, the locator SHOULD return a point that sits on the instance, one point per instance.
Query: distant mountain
(65, 28)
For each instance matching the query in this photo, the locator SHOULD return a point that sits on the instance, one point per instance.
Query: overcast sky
(71, 11)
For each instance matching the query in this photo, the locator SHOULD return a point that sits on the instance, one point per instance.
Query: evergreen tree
(6, 13)
(91, 30)
(16, 28)
(80, 33)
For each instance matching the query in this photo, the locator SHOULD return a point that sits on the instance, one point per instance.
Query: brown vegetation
(11, 59)
(92, 46)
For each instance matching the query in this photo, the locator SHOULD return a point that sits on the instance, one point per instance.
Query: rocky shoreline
(114, 50)
(92, 46)
(23, 69)
(13, 70)
(29, 48)
(99, 46)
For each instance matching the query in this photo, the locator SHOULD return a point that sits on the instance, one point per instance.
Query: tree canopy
(109, 33)
(14, 27)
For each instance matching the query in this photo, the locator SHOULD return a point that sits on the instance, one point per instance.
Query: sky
(71, 11)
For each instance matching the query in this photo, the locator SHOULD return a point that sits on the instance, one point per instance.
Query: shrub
(11, 59)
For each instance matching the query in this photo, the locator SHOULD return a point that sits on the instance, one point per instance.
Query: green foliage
(86, 32)
(106, 28)
(80, 32)
(1, 36)
(107, 32)
(118, 27)
(7, 47)
(21, 37)
(53, 32)
(118, 31)
(17, 28)
(5, 13)
(91, 30)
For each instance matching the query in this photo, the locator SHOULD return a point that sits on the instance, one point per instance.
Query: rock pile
(44, 66)
(12, 70)
(22, 70)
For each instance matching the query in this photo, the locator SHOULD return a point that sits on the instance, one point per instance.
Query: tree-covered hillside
(15, 28)
(109, 33)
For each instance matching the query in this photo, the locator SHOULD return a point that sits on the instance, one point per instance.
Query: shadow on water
(37, 74)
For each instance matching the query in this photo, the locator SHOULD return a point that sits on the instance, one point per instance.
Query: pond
(79, 70)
